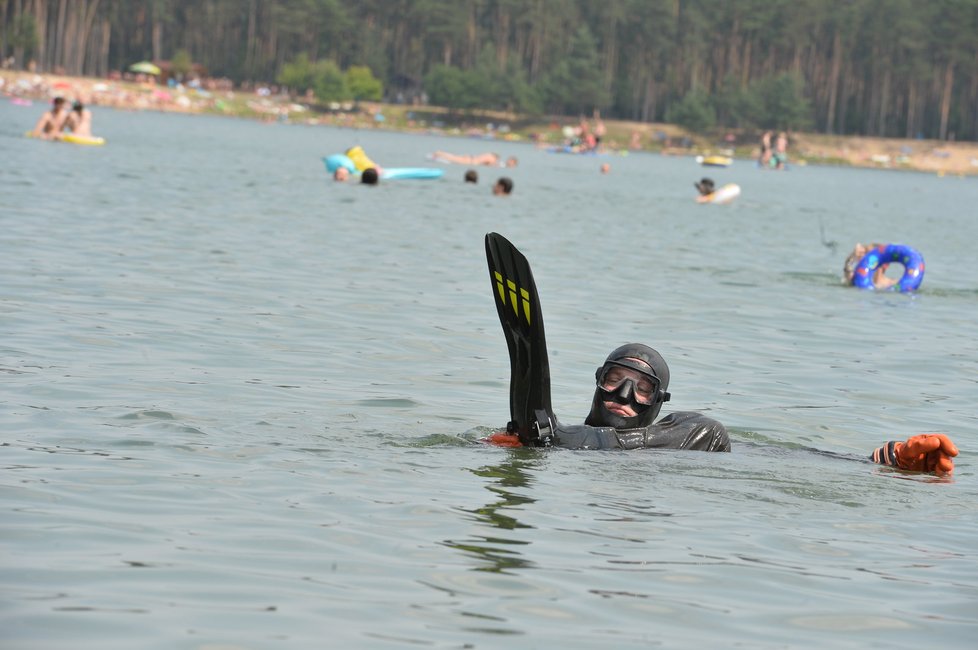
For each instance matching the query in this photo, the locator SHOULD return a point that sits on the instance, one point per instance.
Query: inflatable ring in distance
(912, 261)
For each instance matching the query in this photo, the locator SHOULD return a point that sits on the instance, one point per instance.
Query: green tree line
(899, 68)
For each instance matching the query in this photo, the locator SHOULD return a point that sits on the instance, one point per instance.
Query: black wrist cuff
(886, 455)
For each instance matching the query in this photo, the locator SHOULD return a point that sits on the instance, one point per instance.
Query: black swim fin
(518, 306)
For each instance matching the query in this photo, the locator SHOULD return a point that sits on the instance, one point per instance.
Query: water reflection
(498, 552)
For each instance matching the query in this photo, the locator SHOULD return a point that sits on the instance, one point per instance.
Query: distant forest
(894, 68)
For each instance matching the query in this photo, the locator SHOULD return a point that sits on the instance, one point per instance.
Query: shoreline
(942, 158)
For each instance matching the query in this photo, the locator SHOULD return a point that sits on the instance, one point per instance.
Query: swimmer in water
(79, 120)
(486, 159)
(705, 188)
(631, 387)
(49, 125)
(503, 187)
(370, 176)
(880, 281)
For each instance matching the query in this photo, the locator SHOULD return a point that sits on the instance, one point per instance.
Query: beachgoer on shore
(780, 156)
(765, 158)
(599, 128)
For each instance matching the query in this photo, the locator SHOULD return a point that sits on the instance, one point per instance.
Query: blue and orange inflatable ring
(912, 261)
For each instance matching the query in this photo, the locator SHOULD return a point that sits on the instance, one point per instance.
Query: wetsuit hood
(648, 362)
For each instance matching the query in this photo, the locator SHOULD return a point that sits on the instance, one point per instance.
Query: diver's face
(626, 391)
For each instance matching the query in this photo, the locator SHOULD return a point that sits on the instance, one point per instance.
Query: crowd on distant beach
(587, 137)
(142, 92)
(128, 91)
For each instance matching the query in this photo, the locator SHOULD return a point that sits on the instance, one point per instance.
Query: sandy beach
(218, 97)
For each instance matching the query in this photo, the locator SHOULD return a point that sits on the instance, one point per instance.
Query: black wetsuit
(681, 430)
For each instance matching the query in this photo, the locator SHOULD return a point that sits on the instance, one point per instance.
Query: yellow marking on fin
(526, 304)
(512, 296)
(511, 288)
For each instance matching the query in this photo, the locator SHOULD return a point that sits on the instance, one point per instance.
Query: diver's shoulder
(690, 430)
(677, 418)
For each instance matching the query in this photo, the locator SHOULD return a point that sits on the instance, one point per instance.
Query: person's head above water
(369, 176)
(631, 387)
(503, 186)
(705, 186)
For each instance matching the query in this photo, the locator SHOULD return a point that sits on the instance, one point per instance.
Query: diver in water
(631, 387)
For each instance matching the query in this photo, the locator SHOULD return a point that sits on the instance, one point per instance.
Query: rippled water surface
(240, 402)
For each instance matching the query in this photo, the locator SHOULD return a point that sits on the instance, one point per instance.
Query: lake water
(240, 402)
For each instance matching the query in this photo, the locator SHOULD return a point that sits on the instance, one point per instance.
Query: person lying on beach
(487, 159)
(52, 121)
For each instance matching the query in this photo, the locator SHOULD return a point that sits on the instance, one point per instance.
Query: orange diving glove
(503, 439)
(927, 452)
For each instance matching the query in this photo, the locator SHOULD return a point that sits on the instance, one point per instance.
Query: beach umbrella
(145, 67)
